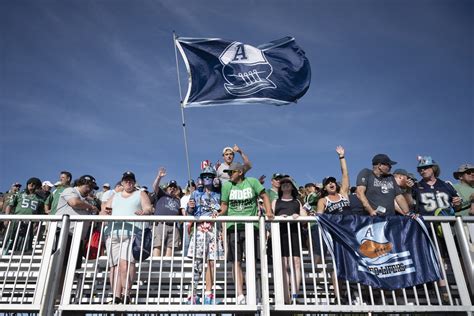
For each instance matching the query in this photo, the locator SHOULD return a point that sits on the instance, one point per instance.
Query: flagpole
(182, 108)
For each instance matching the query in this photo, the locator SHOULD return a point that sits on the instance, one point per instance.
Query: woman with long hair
(288, 204)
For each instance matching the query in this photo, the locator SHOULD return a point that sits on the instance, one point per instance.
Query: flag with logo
(389, 253)
(229, 72)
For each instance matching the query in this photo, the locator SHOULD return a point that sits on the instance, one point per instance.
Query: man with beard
(166, 204)
(377, 189)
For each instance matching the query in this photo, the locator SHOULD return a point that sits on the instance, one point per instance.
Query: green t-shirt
(272, 195)
(53, 198)
(464, 192)
(312, 200)
(242, 198)
(27, 204)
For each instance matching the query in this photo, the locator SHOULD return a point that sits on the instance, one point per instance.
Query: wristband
(341, 157)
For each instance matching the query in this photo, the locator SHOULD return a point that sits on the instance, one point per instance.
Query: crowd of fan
(225, 190)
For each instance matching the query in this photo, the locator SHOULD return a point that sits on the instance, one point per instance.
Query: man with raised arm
(228, 154)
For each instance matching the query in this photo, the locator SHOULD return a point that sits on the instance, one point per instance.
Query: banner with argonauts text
(391, 252)
(229, 72)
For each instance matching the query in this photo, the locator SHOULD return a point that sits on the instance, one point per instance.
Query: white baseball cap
(48, 183)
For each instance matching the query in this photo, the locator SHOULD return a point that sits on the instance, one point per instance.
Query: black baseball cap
(35, 181)
(278, 176)
(89, 179)
(328, 180)
(129, 175)
(382, 158)
(172, 183)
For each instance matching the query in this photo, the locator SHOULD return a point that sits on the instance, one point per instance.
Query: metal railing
(321, 291)
(35, 278)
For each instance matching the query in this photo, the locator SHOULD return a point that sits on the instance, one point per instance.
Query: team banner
(389, 253)
(228, 72)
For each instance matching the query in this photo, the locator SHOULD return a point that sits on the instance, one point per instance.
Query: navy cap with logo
(383, 159)
(129, 175)
(172, 184)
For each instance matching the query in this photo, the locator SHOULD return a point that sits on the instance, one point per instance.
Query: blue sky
(91, 87)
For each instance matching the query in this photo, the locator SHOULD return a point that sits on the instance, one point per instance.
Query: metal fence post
(277, 265)
(264, 268)
(456, 264)
(57, 259)
(465, 253)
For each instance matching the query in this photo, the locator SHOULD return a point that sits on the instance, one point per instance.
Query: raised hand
(340, 151)
(162, 172)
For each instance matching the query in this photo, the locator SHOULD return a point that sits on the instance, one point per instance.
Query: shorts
(207, 242)
(168, 241)
(231, 244)
(117, 250)
(285, 244)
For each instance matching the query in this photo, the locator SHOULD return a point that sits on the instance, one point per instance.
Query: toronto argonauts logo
(246, 70)
(373, 243)
(377, 253)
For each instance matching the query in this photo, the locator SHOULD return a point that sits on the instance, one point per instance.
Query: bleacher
(163, 283)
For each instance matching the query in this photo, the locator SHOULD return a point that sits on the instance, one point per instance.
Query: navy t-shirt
(166, 204)
(431, 197)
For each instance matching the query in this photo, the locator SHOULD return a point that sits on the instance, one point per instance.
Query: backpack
(142, 244)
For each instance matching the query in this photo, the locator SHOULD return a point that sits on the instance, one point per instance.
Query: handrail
(318, 293)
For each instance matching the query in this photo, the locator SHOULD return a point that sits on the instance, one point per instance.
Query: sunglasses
(468, 172)
(232, 171)
(423, 168)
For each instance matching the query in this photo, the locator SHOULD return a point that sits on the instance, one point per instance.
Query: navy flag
(228, 72)
(389, 253)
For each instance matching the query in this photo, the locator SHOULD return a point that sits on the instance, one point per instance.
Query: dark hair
(325, 193)
(68, 174)
(308, 185)
(294, 191)
(83, 181)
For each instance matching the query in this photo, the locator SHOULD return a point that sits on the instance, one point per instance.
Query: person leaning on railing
(128, 202)
(433, 197)
(27, 202)
(239, 197)
(288, 205)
